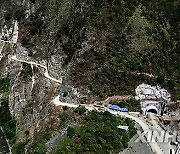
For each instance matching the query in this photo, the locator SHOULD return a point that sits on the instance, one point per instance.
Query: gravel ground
(137, 148)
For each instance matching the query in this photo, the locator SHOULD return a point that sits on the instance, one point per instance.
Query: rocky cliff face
(38, 72)
(96, 48)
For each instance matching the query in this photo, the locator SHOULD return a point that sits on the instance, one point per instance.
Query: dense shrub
(64, 118)
(80, 110)
(40, 148)
(7, 121)
(4, 85)
(19, 148)
(97, 133)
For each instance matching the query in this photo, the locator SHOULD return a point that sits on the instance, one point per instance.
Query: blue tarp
(114, 107)
(124, 109)
(117, 108)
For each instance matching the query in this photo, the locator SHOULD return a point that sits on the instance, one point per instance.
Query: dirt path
(46, 74)
(112, 98)
(154, 146)
(5, 146)
(57, 102)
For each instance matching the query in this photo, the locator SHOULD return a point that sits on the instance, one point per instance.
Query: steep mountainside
(97, 48)
(103, 45)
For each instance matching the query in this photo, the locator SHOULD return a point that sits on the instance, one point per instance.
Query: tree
(65, 108)
(97, 133)
(19, 13)
(64, 118)
(70, 132)
(40, 149)
(80, 110)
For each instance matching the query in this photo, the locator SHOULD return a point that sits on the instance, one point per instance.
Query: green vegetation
(174, 107)
(65, 94)
(171, 85)
(19, 148)
(64, 118)
(7, 122)
(47, 135)
(26, 73)
(80, 110)
(40, 148)
(40, 140)
(109, 44)
(132, 104)
(130, 37)
(12, 11)
(111, 67)
(4, 85)
(97, 133)
(65, 108)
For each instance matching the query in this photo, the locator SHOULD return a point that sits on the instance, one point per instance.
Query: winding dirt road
(154, 146)
(46, 74)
